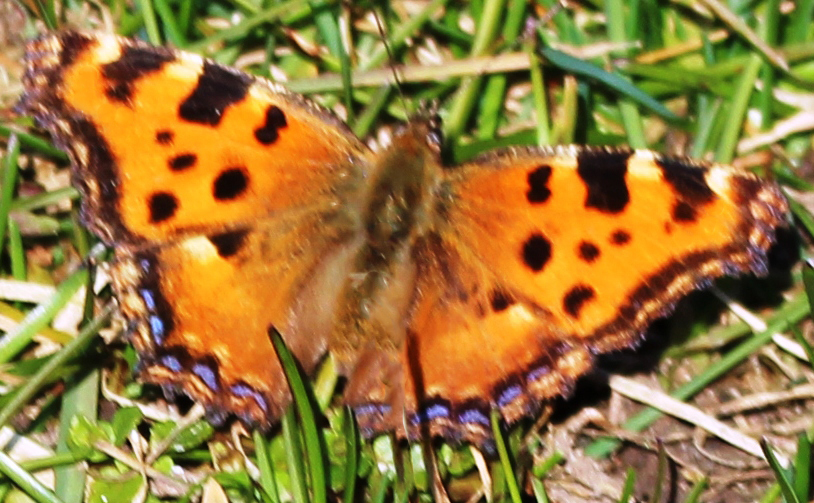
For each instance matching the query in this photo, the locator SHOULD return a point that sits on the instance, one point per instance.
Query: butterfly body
(443, 292)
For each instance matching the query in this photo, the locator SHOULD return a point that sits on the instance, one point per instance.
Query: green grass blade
(802, 215)
(365, 120)
(8, 188)
(495, 89)
(770, 30)
(694, 496)
(44, 199)
(808, 282)
(36, 319)
(739, 26)
(270, 15)
(505, 459)
(780, 473)
(800, 21)
(169, 22)
(737, 112)
(540, 494)
(351, 432)
(465, 98)
(150, 21)
(402, 35)
(802, 467)
(629, 487)
(326, 22)
(294, 457)
(16, 251)
(25, 481)
(624, 87)
(317, 460)
(264, 464)
(632, 121)
(81, 399)
(540, 101)
(33, 142)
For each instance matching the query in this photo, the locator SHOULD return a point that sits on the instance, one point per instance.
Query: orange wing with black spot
(226, 198)
(539, 259)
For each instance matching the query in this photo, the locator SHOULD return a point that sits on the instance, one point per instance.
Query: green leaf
(84, 434)
(124, 421)
(118, 490)
(616, 82)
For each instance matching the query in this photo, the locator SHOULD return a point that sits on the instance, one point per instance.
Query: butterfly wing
(539, 259)
(224, 196)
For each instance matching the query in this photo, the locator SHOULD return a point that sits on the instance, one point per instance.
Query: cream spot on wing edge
(107, 50)
(641, 165)
(186, 67)
(81, 152)
(718, 179)
(201, 248)
(521, 314)
(41, 80)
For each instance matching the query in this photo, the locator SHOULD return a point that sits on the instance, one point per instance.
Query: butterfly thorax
(397, 214)
(406, 175)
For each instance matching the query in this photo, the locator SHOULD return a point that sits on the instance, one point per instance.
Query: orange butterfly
(236, 207)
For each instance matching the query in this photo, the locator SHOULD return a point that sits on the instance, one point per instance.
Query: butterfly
(237, 209)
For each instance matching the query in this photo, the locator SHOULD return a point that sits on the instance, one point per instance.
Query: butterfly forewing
(166, 143)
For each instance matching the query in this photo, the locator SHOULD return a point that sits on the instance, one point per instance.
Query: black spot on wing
(603, 174)
(500, 300)
(538, 191)
(218, 88)
(536, 252)
(164, 137)
(576, 298)
(229, 243)
(162, 206)
(620, 237)
(182, 162)
(268, 132)
(688, 181)
(684, 212)
(230, 184)
(588, 251)
(133, 64)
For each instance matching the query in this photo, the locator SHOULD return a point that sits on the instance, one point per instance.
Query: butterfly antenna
(536, 22)
(544, 17)
(396, 79)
